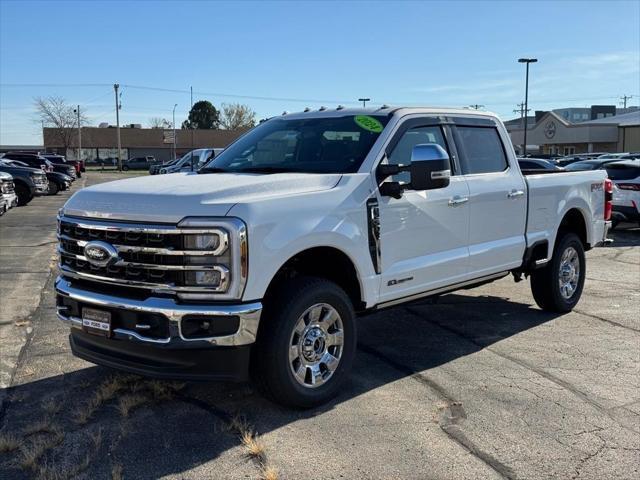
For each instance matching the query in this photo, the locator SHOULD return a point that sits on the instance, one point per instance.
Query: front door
(424, 234)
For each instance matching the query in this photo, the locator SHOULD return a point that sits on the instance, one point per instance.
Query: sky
(277, 56)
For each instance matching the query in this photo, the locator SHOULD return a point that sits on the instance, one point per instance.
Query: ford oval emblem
(100, 254)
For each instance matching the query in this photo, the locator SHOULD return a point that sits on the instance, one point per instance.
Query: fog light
(202, 242)
(209, 278)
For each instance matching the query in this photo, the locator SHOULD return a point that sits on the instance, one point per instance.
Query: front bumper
(168, 352)
(11, 199)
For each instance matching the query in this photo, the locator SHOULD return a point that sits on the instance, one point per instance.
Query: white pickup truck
(261, 261)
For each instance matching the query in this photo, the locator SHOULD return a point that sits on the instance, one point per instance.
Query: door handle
(515, 193)
(457, 201)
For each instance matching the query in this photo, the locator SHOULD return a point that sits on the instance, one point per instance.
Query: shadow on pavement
(174, 429)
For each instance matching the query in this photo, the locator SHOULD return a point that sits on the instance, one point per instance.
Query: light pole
(364, 101)
(116, 86)
(174, 131)
(79, 134)
(526, 98)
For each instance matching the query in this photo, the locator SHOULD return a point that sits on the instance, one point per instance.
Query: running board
(447, 289)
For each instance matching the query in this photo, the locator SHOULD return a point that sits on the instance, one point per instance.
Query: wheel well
(573, 221)
(324, 262)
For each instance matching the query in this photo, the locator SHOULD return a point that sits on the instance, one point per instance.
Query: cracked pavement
(481, 384)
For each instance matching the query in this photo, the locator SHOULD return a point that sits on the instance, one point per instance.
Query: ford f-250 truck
(262, 260)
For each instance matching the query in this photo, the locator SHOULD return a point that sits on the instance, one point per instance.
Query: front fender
(282, 227)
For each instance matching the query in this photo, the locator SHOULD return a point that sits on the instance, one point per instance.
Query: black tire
(545, 282)
(54, 188)
(79, 174)
(272, 367)
(125, 168)
(24, 195)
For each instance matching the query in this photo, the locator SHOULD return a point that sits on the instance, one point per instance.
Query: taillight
(608, 197)
(629, 186)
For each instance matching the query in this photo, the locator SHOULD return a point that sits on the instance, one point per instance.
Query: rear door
(497, 198)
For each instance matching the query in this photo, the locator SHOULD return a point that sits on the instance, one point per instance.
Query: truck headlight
(206, 241)
(217, 278)
(216, 253)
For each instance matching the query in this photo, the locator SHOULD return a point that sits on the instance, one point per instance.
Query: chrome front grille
(150, 256)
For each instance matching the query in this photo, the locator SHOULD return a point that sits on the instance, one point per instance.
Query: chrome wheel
(569, 274)
(316, 345)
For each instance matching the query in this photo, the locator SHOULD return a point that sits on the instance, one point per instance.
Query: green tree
(203, 115)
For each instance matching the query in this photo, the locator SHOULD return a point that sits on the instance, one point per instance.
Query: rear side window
(481, 150)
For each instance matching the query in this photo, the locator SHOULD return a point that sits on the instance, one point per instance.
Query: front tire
(558, 286)
(125, 168)
(306, 343)
(24, 195)
(53, 188)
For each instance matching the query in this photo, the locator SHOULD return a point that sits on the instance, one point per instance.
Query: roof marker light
(285, 113)
(340, 107)
(322, 109)
(306, 109)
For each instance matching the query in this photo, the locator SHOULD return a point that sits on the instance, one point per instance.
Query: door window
(401, 154)
(481, 150)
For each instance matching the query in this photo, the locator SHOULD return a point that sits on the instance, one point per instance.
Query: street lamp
(364, 101)
(526, 98)
(174, 131)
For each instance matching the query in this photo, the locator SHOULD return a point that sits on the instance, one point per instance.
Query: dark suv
(138, 163)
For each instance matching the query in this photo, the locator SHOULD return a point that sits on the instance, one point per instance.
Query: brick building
(100, 143)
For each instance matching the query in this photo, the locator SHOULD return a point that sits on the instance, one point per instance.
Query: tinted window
(481, 150)
(623, 172)
(401, 154)
(527, 165)
(313, 145)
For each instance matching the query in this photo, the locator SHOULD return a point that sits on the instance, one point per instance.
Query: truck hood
(170, 198)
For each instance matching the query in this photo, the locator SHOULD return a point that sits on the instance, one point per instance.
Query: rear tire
(306, 343)
(125, 168)
(24, 195)
(558, 286)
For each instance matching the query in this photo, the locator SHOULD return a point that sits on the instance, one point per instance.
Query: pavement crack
(606, 320)
(449, 424)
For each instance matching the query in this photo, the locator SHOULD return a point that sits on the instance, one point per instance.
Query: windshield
(312, 145)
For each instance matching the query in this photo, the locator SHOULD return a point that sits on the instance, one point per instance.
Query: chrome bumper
(248, 314)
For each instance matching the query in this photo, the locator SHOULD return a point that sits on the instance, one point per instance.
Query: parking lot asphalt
(481, 384)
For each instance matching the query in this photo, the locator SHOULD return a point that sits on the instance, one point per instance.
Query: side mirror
(430, 167)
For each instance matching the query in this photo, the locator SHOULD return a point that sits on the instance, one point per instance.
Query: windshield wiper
(267, 170)
(213, 170)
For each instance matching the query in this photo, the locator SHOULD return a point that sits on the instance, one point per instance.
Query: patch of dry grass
(32, 451)
(51, 406)
(104, 393)
(126, 403)
(8, 442)
(116, 472)
(253, 446)
(269, 473)
(40, 426)
(54, 471)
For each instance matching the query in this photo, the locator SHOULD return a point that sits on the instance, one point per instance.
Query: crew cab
(262, 261)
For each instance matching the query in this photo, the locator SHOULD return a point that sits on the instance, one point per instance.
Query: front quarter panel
(281, 227)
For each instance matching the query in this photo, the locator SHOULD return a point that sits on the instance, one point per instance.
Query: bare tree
(157, 122)
(235, 116)
(56, 113)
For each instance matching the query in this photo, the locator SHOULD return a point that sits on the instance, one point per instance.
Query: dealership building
(551, 133)
(101, 143)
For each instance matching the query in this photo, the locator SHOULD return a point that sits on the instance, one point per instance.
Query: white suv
(626, 190)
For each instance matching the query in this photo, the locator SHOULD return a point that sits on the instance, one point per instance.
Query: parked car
(304, 222)
(626, 192)
(593, 164)
(57, 181)
(155, 168)
(192, 161)
(8, 197)
(37, 161)
(537, 164)
(578, 157)
(78, 165)
(138, 163)
(28, 182)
